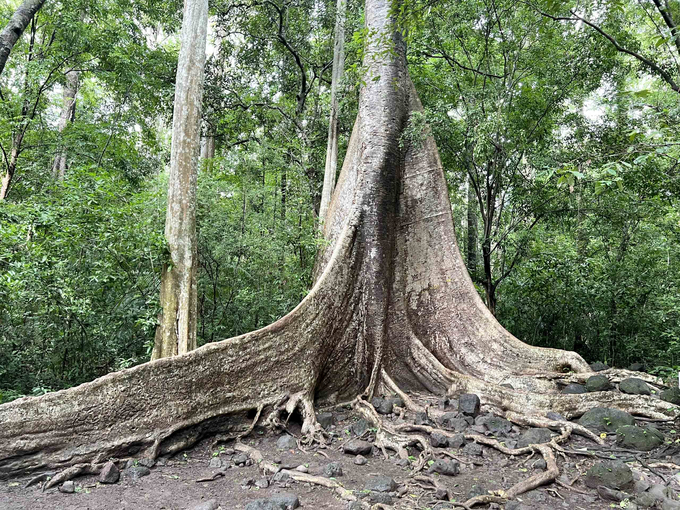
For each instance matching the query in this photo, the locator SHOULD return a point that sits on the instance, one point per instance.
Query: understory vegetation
(561, 155)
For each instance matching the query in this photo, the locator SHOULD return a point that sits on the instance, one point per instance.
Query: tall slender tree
(332, 148)
(68, 112)
(176, 331)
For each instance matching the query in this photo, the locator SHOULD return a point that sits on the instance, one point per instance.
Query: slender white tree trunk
(17, 24)
(332, 148)
(176, 333)
(68, 112)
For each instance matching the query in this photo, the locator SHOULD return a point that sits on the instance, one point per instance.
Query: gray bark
(331, 166)
(16, 26)
(471, 229)
(176, 332)
(393, 305)
(68, 112)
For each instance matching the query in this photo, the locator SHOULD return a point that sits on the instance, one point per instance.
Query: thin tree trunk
(472, 207)
(332, 148)
(176, 332)
(16, 26)
(68, 113)
(207, 147)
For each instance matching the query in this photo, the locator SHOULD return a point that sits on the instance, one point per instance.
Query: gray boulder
(443, 467)
(423, 419)
(473, 449)
(574, 389)
(360, 460)
(598, 366)
(612, 474)
(383, 405)
(285, 501)
(332, 470)
(68, 487)
(325, 419)
(639, 438)
(469, 404)
(598, 383)
(136, 472)
(379, 497)
(498, 426)
(439, 440)
(357, 447)
(208, 505)
(380, 484)
(636, 367)
(671, 395)
(286, 442)
(109, 474)
(457, 441)
(605, 419)
(634, 386)
(534, 436)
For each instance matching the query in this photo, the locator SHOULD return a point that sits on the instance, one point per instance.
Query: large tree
(393, 308)
(15, 28)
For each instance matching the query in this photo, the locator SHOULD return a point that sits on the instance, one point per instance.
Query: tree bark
(68, 113)
(471, 229)
(393, 304)
(332, 148)
(176, 332)
(16, 26)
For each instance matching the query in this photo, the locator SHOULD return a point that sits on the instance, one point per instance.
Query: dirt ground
(172, 483)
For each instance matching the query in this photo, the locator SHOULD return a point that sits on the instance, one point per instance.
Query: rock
(513, 505)
(469, 404)
(671, 395)
(241, 458)
(605, 419)
(262, 483)
(384, 405)
(357, 447)
(215, 462)
(67, 487)
(444, 467)
(285, 442)
(146, 462)
(636, 367)
(136, 472)
(634, 386)
(423, 419)
(396, 401)
(511, 443)
(476, 490)
(574, 389)
(612, 474)
(457, 441)
(403, 463)
(598, 366)
(359, 427)
(340, 417)
(498, 426)
(285, 501)
(354, 505)
(611, 494)
(302, 468)
(439, 440)
(639, 438)
(109, 474)
(379, 497)
(598, 383)
(555, 416)
(360, 460)
(325, 419)
(540, 464)
(248, 482)
(261, 504)
(380, 484)
(447, 420)
(441, 494)
(534, 436)
(473, 449)
(646, 500)
(332, 470)
(281, 477)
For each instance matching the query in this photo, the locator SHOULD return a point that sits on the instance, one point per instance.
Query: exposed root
(43, 477)
(72, 472)
(537, 421)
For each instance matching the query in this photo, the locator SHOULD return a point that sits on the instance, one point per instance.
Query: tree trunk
(207, 147)
(16, 26)
(176, 332)
(471, 230)
(393, 304)
(332, 149)
(68, 113)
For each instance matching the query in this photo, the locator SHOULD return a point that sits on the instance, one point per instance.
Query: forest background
(556, 122)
